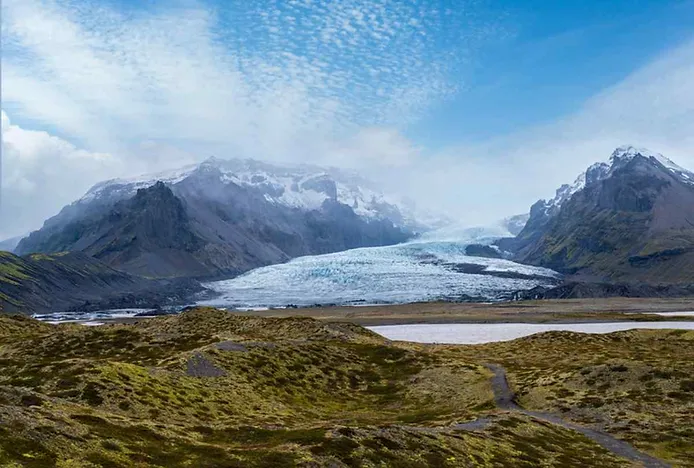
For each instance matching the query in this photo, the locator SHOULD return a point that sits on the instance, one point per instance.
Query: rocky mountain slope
(212, 389)
(222, 218)
(631, 219)
(41, 283)
(515, 224)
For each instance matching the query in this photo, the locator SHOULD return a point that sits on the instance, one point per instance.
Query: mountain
(303, 187)
(8, 245)
(631, 219)
(224, 217)
(41, 283)
(515, 224)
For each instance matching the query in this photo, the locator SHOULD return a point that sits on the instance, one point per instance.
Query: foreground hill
(58, 282)
(223, 218)
(212, 389)
(631, 220)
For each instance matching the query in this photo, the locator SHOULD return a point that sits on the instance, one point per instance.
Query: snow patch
(626, 153)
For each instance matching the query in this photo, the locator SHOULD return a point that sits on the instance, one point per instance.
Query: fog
(94, 93)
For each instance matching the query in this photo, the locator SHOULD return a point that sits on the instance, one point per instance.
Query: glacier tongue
(413, 272)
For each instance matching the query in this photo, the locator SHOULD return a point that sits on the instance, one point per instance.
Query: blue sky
(450, 101)
(556, 55)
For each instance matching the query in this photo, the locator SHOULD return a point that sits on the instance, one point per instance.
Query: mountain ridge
(629, 220)
(47, 283)
(215, 222)
(301, 186)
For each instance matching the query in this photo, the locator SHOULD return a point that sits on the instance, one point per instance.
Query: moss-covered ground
(637, 385)
(211, 389)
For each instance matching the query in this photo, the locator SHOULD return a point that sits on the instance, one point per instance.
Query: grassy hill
(57, 282)
(212, 389)
(39, 282)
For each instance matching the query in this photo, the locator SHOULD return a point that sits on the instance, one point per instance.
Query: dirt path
(505, 399)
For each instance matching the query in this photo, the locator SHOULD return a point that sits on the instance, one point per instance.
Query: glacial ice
(417, 271)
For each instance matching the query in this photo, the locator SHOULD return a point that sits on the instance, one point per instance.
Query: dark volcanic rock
(150, 294)
(201, 366)
(322, 184)
(475, 269)
(157, 312)
(231, 346)
(75, 282)
(485, 251)
(149, 234)
(579, 290)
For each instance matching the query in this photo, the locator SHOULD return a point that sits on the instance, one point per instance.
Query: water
(421, 271)
(675, 314)
(494, 332)
(89, 317)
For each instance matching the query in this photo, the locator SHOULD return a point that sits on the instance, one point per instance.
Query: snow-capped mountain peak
(303, 187)
(629, 152)
(601, 170)
(626, 153)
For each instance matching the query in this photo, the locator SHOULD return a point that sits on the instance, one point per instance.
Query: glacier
(426, 269)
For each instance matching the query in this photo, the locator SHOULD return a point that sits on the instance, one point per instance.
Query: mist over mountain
(631, 219)
(224, 217)
(8, 245)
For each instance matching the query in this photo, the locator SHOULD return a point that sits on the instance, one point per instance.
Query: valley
(244, 234)
(556, 346)
(347, 234)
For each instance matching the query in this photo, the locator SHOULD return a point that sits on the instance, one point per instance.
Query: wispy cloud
(297, 80)
(653, 107)
(332, 82)
(253, 78)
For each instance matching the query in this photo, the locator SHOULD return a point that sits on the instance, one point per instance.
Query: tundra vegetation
(208, 388)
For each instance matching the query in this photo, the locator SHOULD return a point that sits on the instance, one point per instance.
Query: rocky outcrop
(583, 290)
(485, 251)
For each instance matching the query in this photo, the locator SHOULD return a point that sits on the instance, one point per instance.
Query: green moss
(37, 257)
(318, 394)
(26, 451)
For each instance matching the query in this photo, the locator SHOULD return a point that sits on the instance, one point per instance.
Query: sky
(475, 108)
